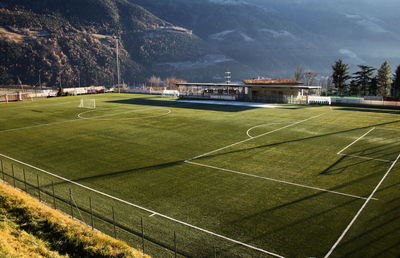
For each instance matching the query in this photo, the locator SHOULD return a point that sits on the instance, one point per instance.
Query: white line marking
(40, 125)
(81, 119)
(255, 137)
(359, 138)
(367, 158)
(152, 215)
(254, 127)
(145, 209)
(40, 105)
(126, 112)
(362, 208)
(278, 181)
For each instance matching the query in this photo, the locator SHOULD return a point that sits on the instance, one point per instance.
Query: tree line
(367, 81)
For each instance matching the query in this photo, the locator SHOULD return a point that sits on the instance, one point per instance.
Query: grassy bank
(30, 228)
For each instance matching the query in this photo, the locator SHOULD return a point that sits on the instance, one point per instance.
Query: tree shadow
(369, 110)
(185, 105)
(294, 140)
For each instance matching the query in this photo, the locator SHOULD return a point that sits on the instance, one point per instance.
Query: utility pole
(118, 68)
(20, 83)
(79, 78)
(40, 82)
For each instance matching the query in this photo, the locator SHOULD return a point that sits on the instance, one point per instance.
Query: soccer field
(230, 181)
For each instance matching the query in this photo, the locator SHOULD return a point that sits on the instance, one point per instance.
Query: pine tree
(363, 79)
(384, 79)
(373, 90)
(396, 83)
(340, 76)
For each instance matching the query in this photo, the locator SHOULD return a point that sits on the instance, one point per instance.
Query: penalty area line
(279, 181)
(359, 138)
(252, 138)
(146, 209)
(362, 208)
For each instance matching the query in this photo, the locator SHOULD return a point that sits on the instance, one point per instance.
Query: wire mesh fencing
(151, 232)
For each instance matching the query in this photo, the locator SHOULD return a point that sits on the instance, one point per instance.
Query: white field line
(362, 208)
(146, 209)
(125, 112)
(39, 125)
(114, 114)
(255, 137)
(74, 120)
(40, 105)
(254, 127)
(359, 138)
(277, 180)
(361, 157)
(364, 157)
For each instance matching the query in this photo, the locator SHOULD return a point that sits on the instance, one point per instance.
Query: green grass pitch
(229, 181)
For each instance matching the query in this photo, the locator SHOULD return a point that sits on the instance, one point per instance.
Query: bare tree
(309, 77)
(171, 82)
(298, 74)
(155, 81)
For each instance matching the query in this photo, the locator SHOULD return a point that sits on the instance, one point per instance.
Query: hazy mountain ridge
(272, 37)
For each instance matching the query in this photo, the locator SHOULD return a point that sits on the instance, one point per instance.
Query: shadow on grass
(365, 240)
(295, 140)
(175, 104)
(367, 110)
(122, 172)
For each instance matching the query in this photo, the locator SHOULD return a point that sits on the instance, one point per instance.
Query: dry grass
(30, 228)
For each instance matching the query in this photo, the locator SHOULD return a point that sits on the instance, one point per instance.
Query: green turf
(134, 147)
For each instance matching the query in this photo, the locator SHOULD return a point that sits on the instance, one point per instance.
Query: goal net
(88, 103)
(170, 93)
(318, 100)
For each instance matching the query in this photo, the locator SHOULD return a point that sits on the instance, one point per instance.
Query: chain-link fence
(152, 232)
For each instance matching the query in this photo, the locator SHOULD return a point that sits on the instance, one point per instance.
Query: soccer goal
(318, 100)
(170, 93)
(88, 103)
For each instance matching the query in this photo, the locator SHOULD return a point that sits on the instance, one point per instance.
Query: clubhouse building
(258, 90)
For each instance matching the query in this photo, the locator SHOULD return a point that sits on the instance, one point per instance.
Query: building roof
(275, 86)
(272, 82)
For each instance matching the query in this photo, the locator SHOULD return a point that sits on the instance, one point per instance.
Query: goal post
(170, 93)
(87, 103)
(318, 100)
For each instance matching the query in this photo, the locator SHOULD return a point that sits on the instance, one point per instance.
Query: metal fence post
(38, 187)
(175, 251)
(113, 218)
(13, 174)
(2, 168)
(215, 252)
(142, 227)
(24, 174)
(54, 195)
(91, 212)
(70, 203)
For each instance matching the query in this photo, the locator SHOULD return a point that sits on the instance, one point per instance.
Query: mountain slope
(72, 40)
(272, 37)
(259, 37)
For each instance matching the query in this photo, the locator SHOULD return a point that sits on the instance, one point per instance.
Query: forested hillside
(72, 42)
